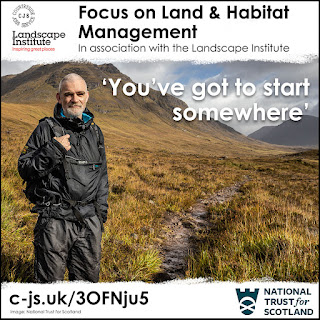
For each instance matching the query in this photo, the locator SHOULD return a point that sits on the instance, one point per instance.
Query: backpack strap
(55, 126)
(95, 130)
(100, 148)
(58, 131)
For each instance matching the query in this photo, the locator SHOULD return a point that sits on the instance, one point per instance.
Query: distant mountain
(138, 121)
(262, 132)
(290, 133)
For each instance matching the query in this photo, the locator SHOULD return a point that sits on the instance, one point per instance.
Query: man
(64, 165)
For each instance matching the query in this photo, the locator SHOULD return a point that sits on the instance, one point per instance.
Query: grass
(269, 229)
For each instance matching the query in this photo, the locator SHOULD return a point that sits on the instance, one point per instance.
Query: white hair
(71, 77)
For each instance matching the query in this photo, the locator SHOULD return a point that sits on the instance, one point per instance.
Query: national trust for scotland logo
(247, 300)
(23, 15)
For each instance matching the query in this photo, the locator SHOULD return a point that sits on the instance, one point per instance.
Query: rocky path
(181, 229)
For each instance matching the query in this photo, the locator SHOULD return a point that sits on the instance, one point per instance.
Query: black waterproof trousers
(61, 244)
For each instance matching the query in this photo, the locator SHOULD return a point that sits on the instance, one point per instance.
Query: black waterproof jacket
(48, 186)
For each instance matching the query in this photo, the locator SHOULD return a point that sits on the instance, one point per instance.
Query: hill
(128, 122)
(301, 133)
(260, 133)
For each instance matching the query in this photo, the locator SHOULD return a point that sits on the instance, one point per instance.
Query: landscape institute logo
(247, 300)
(31, 40)
(23, 15)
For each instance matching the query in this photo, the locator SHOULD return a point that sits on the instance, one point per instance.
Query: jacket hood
(74, 124)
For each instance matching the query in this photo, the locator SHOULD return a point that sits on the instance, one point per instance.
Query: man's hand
(64, 140)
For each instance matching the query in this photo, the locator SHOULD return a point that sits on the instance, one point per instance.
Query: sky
(188, 74)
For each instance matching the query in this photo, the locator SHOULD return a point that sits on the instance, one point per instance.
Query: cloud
(144, 72)
(15, 67)
(258, 73)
